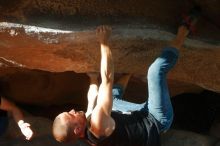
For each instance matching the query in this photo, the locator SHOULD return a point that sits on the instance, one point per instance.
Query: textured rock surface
(133, 49)
(183, 138)
(43, 88)
(156, 12)
(140, 30)
(218, 144)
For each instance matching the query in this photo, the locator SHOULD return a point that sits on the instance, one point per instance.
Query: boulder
(59, 36)
(183, 138)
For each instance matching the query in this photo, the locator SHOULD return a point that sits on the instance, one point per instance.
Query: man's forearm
(92, 97)
(18, 117)
(107, 65)
(107, 75)
(12, 108)
(92, 92)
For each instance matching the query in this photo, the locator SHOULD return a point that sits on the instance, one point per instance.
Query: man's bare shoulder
(101, 124)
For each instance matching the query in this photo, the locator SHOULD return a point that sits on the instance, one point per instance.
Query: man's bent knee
(117, 91)
(165, 124)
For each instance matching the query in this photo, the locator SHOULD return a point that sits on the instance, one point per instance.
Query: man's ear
(77, 130)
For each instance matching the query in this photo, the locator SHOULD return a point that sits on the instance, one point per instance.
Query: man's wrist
(20, 122)
(104, 43)
(88, 112)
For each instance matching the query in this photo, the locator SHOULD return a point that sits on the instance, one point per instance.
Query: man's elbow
(109, 78)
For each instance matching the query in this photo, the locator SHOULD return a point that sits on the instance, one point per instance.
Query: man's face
(68, 122)
(76, 113)
(76, 117)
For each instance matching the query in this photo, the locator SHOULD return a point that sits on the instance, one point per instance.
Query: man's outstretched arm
(101, 122)
(18, 117)
(106, 70)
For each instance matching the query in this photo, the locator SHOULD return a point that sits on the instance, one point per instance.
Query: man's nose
(72, 111)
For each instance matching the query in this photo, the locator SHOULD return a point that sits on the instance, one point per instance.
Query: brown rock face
(133, 49)
(43, 88)
(58, 36)
(180, 138)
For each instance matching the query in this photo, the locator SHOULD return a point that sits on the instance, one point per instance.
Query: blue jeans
(158, 103)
